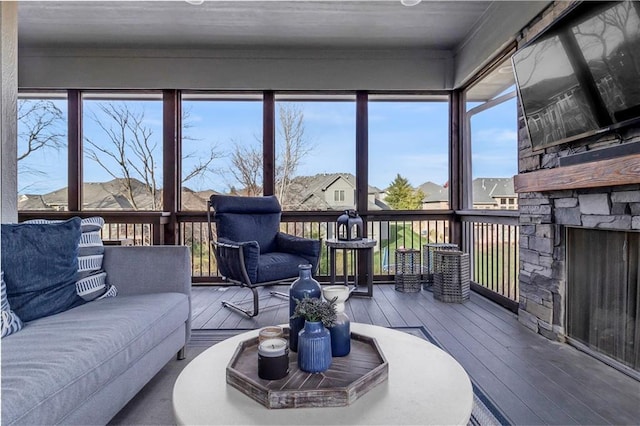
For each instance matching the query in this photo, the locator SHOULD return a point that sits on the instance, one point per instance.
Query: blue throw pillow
(10, 321)
(91, 281)
(40, 264)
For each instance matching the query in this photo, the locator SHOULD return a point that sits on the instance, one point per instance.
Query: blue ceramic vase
(314, 348)
(341, 330)
(304, 285)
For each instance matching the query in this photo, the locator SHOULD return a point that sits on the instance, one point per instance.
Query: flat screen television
(581, 77)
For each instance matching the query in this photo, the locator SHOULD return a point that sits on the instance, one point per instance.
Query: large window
(492, 126)
(122, 151)
(42, 151)
(221, 147)
(408, 152)
(315, 152)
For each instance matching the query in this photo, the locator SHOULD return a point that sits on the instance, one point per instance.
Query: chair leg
(246, 312)
(279, 294)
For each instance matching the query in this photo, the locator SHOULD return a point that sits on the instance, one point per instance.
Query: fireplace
(603, 293)
(579, 208)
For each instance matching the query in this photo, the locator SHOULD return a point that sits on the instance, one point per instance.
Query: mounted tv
(581, 77)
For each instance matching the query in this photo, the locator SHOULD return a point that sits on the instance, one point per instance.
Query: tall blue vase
(314, 348)
(341, 329)
(304, 285)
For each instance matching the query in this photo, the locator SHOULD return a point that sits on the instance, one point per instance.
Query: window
(42, 151)
(221, 146)
(315, 151)
(122, 149)
(408, 152)
(492, 131)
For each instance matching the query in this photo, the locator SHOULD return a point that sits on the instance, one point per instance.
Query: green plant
(315, 309)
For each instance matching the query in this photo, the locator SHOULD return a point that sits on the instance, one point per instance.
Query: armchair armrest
(238, 261)
(305, 247)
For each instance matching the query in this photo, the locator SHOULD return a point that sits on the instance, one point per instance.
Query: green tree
(402, 196)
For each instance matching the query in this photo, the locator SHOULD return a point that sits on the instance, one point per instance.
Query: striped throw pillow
(91, 283)
(11, 323)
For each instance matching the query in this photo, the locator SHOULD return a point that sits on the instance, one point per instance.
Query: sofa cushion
(44, 378)
(40, 263)
(10, 321)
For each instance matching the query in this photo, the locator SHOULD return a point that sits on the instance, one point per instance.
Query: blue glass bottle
(304, 285)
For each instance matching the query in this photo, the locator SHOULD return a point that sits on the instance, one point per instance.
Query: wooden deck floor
(532, 380)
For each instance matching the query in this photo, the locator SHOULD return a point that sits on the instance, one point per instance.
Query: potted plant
(314, 340)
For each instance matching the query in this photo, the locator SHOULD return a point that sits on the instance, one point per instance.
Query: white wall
(497, 28)
(8, 110)
(294, 69)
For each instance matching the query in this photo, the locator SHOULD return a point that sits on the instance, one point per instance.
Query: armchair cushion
(277, 266)
(305, 247)
(248, 219)
(229, 266)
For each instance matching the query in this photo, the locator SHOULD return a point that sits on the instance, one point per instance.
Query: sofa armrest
(149, 269)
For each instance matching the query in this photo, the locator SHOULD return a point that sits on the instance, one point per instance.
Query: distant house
(110, 195)
(328, 191)
(435, 196)
(488, 193)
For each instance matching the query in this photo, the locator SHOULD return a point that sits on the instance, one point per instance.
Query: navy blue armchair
(249, 247)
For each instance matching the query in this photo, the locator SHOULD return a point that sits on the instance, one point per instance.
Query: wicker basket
(451, 276)
(427, 257)
(408, 270)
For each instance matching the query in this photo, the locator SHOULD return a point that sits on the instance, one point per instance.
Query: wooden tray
(346, 380)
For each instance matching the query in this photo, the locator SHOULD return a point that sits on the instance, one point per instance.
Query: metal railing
(490, 237)
(492, 241)
(391, 231)
(143, 228)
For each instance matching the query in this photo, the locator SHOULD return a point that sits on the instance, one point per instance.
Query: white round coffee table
(425, 386)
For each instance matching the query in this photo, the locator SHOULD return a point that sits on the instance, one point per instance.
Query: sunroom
(505, 128)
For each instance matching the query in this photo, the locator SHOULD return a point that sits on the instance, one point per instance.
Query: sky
(406, 138)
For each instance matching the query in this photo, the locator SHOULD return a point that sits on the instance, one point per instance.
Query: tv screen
(582, 76)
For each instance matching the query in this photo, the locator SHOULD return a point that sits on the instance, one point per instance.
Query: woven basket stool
(451, 276)
(408, 270)
(427, 258)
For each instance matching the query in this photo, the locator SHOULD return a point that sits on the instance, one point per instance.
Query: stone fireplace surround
(543, 217)
(545, 214)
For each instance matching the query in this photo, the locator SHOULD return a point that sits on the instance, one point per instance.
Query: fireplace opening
(603, 293)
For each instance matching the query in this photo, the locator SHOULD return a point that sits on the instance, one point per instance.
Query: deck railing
(390, 231)
(490, 237)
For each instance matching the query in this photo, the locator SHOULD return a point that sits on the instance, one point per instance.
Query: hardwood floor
(532, 380)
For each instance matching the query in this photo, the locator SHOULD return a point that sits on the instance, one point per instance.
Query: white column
(8, 110)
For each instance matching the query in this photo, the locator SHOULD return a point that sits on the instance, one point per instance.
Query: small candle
(269, 333)
(272, 347)
(273, 359)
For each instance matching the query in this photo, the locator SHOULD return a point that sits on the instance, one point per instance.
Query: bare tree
(246, 160)
(41, 127)
(128, 152)
(202, 163)
(293, 147)
(40, 121)
(246, 167)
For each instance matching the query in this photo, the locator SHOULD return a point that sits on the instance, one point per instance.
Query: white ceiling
(179, 24)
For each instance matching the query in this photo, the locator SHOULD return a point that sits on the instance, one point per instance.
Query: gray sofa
(83, 365)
